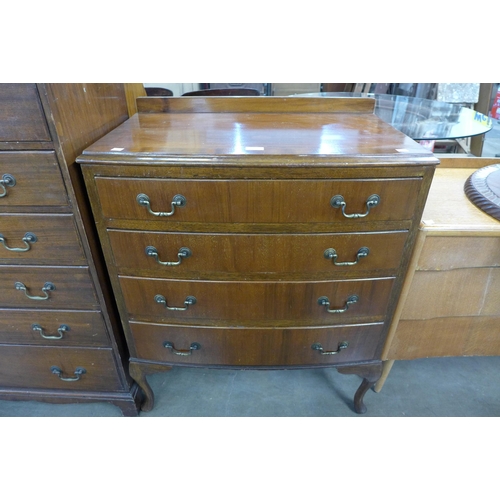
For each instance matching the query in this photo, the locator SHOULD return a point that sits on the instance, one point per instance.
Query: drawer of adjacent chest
(31, 179)
(47, 288)
(190, 254)
(21, 116)
(258, 201)
(54, 328)
(256, 347)
(80, 369)
(39, 239)
(244, 302)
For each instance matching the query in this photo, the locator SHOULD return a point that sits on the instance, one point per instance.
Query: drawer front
(73, 288)
(31, 367)
(21, 114)
(251, 254)
(52, 239)
(263, 303)
(451, 336)
(257, 201)
(255, 347)
(459, 292)
(441, 253)
(37, 180)
(54, 328)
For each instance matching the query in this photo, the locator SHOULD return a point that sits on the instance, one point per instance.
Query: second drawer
(254, 254)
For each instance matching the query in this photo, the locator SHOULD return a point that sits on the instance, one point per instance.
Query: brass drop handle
(28, 239)
(182, 352)
(338, 202)
(61, 330)
(340, 347)
(6, 181)
(78, 373)
(47, 287)
(183, 253)
(331, 253)
(177, 201)
(190, 301)
(324, 301)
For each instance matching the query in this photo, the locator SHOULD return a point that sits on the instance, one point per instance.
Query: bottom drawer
(31, 367)
(255, 347)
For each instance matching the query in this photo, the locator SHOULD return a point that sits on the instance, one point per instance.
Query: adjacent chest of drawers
(256, 232)
(450, 300)
(60, 339)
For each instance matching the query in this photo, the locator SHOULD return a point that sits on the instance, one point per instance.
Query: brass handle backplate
(340, 347)
(6, 181)
(183, 253)
(61, 330)
(28, 239)
(78, 373)
(182, 352)
(338, 202)
(177, 201)
(324, 301)
(190, 301)
(47, 287)
(331, 253)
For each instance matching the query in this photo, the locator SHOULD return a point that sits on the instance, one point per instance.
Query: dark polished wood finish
(258, 176)
(43, 127)
(256, 347)
(261, 256)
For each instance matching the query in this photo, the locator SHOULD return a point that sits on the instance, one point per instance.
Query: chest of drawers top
(256, 132)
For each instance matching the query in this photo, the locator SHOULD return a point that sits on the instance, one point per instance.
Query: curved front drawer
(31, 367)
(257, 302)
(257, 201)
(52, 328)
(255, 347)
(256, 254)
(56, 240)
(38, 180)
(73, 288)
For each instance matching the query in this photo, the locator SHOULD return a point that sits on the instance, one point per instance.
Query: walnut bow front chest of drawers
(256, 232)
(60, 337)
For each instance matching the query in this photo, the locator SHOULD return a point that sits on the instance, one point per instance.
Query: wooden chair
(158, 91)
(223, 92)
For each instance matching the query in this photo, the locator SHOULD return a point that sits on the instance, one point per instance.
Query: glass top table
(422, 119)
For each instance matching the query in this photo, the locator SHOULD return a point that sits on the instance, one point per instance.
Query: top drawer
(257, 201)
(31, 179)
(21, 114)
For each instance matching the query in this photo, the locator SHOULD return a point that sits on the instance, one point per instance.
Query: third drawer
(257, 302)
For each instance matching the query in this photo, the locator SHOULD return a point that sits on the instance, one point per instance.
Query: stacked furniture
(256, 232)
(449, 305)
(60, 339)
